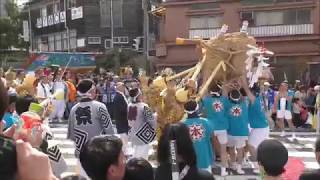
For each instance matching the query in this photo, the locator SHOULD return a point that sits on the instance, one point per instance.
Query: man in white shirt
(43, 88)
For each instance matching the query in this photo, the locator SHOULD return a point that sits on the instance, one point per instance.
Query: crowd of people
(114, 129)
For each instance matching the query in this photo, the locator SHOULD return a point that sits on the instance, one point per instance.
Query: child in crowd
(138, 169)
(296, 111)
(272, 156)
(9, 117)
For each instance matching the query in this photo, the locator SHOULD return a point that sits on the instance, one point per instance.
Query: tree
(11, 28)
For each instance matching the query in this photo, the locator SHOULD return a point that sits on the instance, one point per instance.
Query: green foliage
(108, 61)
(11, 28)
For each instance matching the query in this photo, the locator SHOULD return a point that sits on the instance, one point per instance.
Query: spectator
(311, 100)
(102, 158)
(272, 156)
(72, 94)
(43, 88)
(9, 117)
(300, 93)
(120, 108)
(316, 173)
(4, 100)
(296, 111)
(187, 161)
(139, 169)
(32, 164)
(23, 102)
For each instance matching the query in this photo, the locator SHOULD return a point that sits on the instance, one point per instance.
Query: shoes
(237, 168)
(224, 172)
(256, 171)
(283, 134)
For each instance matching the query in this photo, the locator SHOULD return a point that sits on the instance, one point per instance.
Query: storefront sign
(50, 20)
(62, 16)
(39, 23)
(44, 21)
(76, 13)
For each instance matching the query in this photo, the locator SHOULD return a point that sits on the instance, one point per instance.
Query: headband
(134, 99)
(215, 93)
(235, 99)
(86, 94)
(191, 112)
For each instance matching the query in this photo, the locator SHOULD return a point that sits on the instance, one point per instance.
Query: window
(121, 40)
(285, 17)
(65, 41)
(43, 12)
(56, 7)
(72, 3)
(268, 18)
(50, 9)
(73, 39)
(38, 43)
(51, 42)
(105, 12)
(94, 40)
(205, 22)
(44, 44)
(304, 16)
(58, 45)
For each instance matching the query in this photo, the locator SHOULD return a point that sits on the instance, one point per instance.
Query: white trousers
(59, 107)
(124, 139)
(141, 151)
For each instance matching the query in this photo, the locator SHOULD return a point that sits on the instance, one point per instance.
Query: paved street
(302, 148)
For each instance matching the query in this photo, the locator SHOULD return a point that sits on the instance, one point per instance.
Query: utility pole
(30, 29)
(111, 21)
(66, 26)
(145, 31)
(116, 51)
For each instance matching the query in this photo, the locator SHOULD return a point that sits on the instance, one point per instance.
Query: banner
(47, 59)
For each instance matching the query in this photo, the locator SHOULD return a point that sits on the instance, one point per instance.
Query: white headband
(215, 93)
(134, 99)
(87, 94)
(191, 112)
(233, 99)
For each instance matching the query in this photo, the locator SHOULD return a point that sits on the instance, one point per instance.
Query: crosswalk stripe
(302, 148)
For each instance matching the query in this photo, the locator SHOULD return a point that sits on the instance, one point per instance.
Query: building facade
(290, 28)
(3, 9)
(82, 25)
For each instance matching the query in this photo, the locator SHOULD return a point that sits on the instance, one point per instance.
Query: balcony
(203, 33)
(281, 30)
(261, 31)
